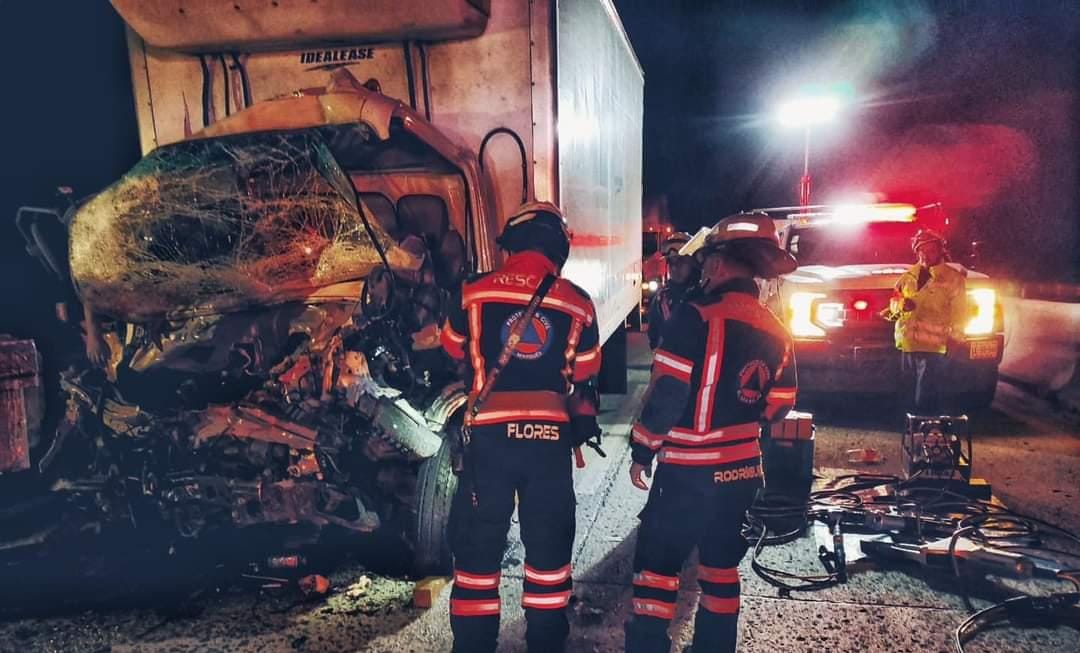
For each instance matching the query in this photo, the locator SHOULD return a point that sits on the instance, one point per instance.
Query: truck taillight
(984, 305)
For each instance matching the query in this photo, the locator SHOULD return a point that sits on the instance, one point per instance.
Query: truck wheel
(435, 487)
(613, 363)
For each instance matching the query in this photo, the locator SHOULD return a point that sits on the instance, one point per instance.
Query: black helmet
(673, 243)
(540, 227)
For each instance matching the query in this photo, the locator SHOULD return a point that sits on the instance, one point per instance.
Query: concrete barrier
(1042, 348)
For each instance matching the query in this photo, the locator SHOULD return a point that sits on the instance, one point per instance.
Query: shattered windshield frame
(220, 224)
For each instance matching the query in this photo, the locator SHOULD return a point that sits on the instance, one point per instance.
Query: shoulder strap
(512, 340)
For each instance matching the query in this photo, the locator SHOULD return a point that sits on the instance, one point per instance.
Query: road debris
(314, 584)
(865, 456)
(427, 591)
(358, 588)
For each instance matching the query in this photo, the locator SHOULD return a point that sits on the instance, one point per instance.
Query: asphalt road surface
(1028, 454)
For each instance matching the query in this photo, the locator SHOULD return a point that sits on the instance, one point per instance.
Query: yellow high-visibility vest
(940, 309)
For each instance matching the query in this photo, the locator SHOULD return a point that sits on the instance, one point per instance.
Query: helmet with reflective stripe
(751, 239)
(926, 236)
(539, 227)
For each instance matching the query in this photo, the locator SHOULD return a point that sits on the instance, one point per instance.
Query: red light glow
(860, 305)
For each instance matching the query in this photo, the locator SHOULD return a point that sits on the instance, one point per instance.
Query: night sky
(973, 104)
(970, 103)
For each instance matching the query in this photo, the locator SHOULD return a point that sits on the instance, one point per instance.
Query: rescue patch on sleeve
(754, 378)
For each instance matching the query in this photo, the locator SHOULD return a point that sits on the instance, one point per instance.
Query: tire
(435, 487)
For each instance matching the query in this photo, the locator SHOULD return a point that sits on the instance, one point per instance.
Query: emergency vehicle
(850, 258)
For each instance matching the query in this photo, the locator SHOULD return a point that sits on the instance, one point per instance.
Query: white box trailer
(544, 95)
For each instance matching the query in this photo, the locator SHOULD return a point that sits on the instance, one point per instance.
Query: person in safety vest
(724, 365)
(527, 410)
(929, 306)
(682, 278)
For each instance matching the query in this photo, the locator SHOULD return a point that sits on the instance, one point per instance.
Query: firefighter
(929, 306)
(682, 277)
(521, 437)
(724, 365)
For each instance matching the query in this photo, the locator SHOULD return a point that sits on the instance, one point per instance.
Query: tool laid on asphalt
(1027, 611)
(938, 516)
(979, 559)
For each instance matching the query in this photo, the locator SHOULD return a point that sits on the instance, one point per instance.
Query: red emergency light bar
(848, 213)
(858, 213)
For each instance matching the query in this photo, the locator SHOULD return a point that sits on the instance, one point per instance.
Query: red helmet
(751, 238)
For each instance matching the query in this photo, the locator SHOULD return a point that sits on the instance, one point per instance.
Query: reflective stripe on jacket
(560, 348)
(725, 364)
(940, 309)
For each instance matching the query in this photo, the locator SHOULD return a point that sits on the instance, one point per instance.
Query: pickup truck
(850, 258)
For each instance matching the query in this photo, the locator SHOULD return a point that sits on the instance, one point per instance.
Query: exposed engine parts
(332, 435)
(322, 409)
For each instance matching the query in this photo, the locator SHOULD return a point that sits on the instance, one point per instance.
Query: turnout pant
(539, 472)
(925, 373)
(687, 507)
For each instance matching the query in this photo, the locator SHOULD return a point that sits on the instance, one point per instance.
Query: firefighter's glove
(637, 472)
(585, 431)
(582, 405)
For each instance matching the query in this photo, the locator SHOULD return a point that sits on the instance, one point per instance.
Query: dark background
(970, 103)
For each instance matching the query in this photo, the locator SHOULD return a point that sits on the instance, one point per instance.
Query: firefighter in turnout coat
(723, 366)
(521, 437)
(682, 278)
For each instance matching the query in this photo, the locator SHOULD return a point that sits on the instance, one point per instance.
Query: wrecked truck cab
(272, 299)
(282, 201)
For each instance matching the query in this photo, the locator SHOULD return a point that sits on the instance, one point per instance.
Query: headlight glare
(801, 314)
(984, 301)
